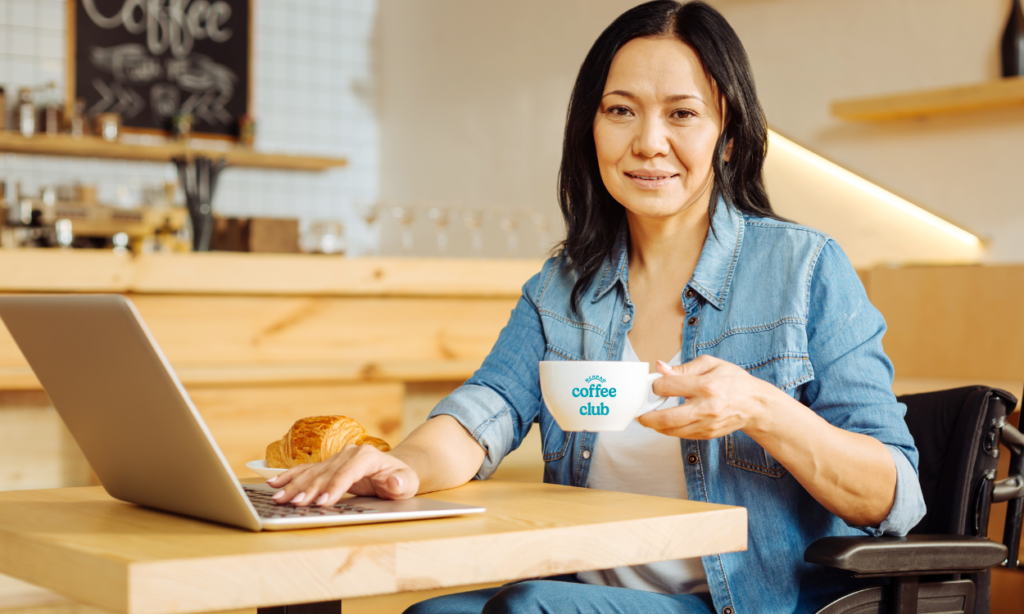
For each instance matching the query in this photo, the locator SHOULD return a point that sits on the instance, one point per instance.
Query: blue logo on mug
(595, 389)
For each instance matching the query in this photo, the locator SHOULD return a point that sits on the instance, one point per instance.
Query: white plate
(260, 467)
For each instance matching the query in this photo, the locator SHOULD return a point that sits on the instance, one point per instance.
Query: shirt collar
(616, 268)
(713, 276)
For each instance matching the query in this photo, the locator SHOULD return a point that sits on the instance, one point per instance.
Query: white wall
(807, 53)
(873, 229)
(312, 93)
(473, 98)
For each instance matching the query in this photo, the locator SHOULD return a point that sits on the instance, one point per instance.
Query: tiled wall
(313, 93)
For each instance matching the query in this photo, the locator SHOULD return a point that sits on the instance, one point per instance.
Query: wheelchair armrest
(913, 555)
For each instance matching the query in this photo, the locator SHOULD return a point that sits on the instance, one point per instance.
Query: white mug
(591, 395)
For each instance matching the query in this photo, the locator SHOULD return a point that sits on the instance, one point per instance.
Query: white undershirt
(642, 461)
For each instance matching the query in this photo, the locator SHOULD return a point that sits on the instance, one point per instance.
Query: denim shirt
(781, 301)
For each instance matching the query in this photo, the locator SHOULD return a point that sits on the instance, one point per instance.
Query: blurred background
(449, 115)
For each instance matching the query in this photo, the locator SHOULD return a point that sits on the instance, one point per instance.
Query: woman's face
(656, 129)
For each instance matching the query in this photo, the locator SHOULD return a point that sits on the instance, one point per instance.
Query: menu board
(151, 60)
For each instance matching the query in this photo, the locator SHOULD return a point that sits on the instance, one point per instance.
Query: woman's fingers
(688, 422)
(698, 366)
(386, 482)
(678, 385)
(281, 479)
(720, 398)
(678, 417)
(401, 483)
(362, 470)
(304, 487)
(363, 464)
(340, 474)
(686, 380)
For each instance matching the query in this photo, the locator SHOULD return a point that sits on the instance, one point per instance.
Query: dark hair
(592, 216)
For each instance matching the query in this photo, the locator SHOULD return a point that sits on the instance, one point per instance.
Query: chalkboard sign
(150, 60)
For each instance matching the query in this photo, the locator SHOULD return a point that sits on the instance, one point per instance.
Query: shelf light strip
(873, 190)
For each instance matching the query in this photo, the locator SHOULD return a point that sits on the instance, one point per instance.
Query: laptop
(147, 444)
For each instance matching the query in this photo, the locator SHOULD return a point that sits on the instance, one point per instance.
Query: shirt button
(626, 318)
(727, 610)
(586, 455)
(692, 459)
(690, 293)
(691, 321)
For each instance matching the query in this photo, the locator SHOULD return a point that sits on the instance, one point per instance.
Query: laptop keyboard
(266, 508)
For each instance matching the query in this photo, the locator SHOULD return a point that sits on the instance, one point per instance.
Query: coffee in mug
(593, 395)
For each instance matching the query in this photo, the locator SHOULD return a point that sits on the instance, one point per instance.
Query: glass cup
(369, 212)
(508, 219)
(405, 215)
(324, 237)
(542, 230)
(474, 221)
(440, 217)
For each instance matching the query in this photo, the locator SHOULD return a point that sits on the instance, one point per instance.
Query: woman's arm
(850, 474)
(439, 454)
(442, 453)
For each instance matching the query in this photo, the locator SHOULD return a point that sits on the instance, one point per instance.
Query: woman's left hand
(720, 398)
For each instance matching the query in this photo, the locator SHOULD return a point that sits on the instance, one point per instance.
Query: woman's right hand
(361, 470)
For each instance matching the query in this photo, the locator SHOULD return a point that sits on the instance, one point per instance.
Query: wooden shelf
(95, 147)
(965, 98)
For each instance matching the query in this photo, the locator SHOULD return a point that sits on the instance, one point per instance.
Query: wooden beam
(227, 273)
(232, 273)
(258, 341)
(1003, 93)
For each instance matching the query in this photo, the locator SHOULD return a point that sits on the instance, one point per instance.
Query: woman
(673, 256)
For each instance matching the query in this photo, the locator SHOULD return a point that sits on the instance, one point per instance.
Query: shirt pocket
(567, 338)
(785, 371)
(743, 452)
(554, 441)
(776, 354)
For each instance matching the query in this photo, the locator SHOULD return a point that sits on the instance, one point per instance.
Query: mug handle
(652, 399)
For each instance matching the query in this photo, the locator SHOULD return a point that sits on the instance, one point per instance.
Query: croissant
(315, 439)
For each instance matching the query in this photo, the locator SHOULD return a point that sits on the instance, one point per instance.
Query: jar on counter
(50, 115)
(76, 123)
(181, 126)
(108, 125)
(26, 113)
(247, 131)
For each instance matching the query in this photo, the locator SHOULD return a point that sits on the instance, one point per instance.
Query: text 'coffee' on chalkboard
(151, 60)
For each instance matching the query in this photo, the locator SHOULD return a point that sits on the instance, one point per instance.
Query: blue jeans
(563, 595)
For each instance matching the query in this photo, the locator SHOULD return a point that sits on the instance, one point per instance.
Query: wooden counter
(243, 318)
(262, 340)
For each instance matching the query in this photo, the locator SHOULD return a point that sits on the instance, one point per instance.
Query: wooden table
(128, 559)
